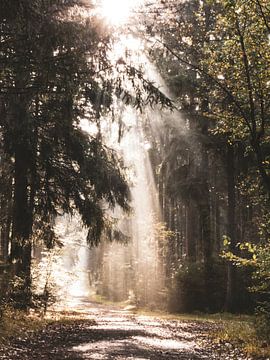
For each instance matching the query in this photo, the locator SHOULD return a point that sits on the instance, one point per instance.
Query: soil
(107, 332)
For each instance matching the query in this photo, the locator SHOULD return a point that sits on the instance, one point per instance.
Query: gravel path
(105, 332)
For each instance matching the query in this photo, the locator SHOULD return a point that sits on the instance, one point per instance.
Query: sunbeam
(118, 11)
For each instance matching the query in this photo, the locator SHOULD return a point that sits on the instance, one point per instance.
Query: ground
(108, 332)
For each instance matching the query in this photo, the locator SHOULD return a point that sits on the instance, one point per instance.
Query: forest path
(107, 332)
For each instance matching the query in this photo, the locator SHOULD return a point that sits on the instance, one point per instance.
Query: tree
(51, 76)
(55, 71)
(217, 69)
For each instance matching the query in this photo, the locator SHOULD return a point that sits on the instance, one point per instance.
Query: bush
(262, 290)
(189, 292)
(262, 321)
(256, 260)
(187, 288)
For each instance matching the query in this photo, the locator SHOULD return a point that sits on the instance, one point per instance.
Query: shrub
(188, 292)
(262, 321)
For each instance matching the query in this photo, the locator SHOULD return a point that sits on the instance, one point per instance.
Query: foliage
(63, 163)
(57, 70)
(262, 321)
(189, 293)
(16, 323)
(218, 156)
(258, 258)
(217, 44)
(44, 289)
(261, 287)
(240, 332)
(214, 57)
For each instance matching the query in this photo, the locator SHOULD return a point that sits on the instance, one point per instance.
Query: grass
(16, 323)
(103, 300)
(196, 316)
(237, 330)
(242, 334)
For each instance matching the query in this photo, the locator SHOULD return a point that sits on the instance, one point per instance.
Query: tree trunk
(230, 301)
(207, 243)
(22, 224)
(191, 233)
(260, 161)
(205, 212)
(5, 205)
(5, 234)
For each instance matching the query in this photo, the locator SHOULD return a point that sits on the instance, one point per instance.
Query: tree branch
(248, 80)
(213, 79)
(263, 15)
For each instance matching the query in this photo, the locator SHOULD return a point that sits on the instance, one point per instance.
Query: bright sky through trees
(118, 11)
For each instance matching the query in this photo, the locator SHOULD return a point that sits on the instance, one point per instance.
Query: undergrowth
(242, 334)
(99, 299)
(16, 323)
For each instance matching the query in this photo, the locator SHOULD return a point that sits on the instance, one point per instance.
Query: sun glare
(118, 11)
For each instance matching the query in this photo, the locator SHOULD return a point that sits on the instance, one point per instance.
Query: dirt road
(105, 332)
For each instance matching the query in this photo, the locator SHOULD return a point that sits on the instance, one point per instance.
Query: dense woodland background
(213, 176)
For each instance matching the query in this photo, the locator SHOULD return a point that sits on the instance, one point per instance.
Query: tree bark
(21, 244)
(230, 301)
(260, 163)
(191, 233)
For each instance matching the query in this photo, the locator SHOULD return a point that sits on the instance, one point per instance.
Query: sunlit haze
(118, 11)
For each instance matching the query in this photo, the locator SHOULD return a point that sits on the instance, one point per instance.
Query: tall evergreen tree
(52, 75)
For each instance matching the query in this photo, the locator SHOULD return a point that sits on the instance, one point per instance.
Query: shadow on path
(107, 333)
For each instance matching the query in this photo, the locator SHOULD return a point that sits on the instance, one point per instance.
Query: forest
(135, 161)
